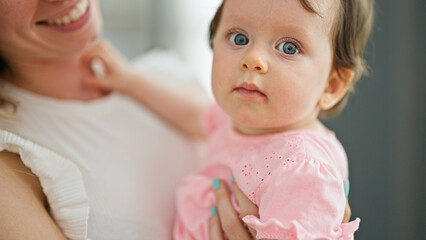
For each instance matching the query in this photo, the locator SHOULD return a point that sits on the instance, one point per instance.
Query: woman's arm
(181, 105)
(23, 205)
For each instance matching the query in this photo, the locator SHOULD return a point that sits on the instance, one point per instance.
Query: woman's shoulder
(14, 175)
(22, 199)
(52, 181)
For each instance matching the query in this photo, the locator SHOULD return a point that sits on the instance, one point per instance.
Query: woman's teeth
(72, 15)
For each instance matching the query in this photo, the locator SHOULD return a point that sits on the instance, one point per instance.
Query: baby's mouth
(250, 90)
(73, 15)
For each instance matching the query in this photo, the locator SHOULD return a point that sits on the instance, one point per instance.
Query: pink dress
(295, 178)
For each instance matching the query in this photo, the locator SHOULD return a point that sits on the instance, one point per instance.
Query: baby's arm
(181, 105)
(302, 200)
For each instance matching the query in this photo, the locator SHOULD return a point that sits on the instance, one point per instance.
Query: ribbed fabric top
(60, 179)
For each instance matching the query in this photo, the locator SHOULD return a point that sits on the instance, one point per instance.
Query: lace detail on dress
(255, 172)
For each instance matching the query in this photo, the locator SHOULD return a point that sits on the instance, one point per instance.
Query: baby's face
(272, 61)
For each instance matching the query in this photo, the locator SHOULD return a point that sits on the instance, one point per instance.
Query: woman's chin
(79, 42)
(83, 43)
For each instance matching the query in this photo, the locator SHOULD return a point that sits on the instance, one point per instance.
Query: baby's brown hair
(351, 30)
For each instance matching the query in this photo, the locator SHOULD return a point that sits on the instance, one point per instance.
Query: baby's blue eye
(288, 48)
(239, 39)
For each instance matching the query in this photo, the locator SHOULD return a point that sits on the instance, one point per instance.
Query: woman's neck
(59, 78)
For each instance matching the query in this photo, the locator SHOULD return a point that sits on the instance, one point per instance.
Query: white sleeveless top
(108, 167)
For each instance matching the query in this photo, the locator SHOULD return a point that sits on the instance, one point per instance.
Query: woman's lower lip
(252, 94)
(74, 26)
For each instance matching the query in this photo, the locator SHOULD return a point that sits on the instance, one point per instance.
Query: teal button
(347, 188)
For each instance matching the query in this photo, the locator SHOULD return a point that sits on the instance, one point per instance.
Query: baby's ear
(338, 84)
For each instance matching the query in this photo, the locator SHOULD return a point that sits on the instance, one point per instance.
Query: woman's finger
(97, 49)
(98, 67)
(216, 232)
(229, 219)
(106, 52)
(247, 207)
(348, 212)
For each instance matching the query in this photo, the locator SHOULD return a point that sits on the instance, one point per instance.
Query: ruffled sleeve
(60, 180)
(304, 201)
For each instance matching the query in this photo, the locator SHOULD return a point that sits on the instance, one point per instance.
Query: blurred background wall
(383, 128)
(137, 26)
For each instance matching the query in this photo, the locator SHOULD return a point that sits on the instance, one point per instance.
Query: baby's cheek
(293, 106)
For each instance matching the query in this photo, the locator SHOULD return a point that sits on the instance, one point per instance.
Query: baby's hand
(110, 70)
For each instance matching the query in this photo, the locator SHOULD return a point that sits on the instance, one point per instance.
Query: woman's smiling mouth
(77, 14)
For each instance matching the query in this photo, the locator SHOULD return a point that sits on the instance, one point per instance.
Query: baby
(279, 65)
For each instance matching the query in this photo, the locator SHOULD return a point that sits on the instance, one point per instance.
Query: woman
(75, 162)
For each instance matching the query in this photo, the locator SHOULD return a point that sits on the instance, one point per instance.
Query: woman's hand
(225, 220)
(181, 105)
(110, 69)
(348, 212)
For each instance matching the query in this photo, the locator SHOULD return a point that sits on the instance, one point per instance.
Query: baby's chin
(254, 127)
(257, 125)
